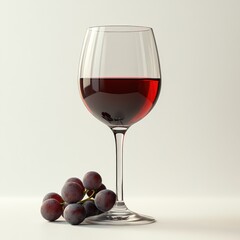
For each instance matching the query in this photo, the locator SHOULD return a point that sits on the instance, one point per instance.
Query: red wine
(119, 101)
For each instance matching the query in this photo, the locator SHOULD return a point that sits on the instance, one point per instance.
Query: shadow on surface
(196, 225)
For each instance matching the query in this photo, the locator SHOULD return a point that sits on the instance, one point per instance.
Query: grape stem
(84, 200)
(89, 198)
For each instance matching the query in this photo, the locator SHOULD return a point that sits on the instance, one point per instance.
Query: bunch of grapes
(78, 199)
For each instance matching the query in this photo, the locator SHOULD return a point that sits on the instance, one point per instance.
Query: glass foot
(119, 215)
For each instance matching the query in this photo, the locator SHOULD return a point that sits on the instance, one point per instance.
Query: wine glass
(119, 80)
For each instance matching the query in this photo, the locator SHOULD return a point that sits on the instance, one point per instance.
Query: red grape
(76, 180)
(105, 200)
(74, 213)
(72, 192)
(51, 209)
(90, 208)
(92, 180)
(54, 196)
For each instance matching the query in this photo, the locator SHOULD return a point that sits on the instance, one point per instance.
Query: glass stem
(119, 133)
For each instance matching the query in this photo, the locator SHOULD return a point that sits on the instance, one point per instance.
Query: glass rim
(119, 28)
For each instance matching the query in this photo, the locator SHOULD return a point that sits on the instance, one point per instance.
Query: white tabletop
(177, 219)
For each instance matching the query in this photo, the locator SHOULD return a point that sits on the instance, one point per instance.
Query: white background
(187, 146)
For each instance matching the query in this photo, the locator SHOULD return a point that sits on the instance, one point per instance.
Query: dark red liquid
(119, 101)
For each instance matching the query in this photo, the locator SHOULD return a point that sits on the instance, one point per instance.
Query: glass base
(119, 215)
